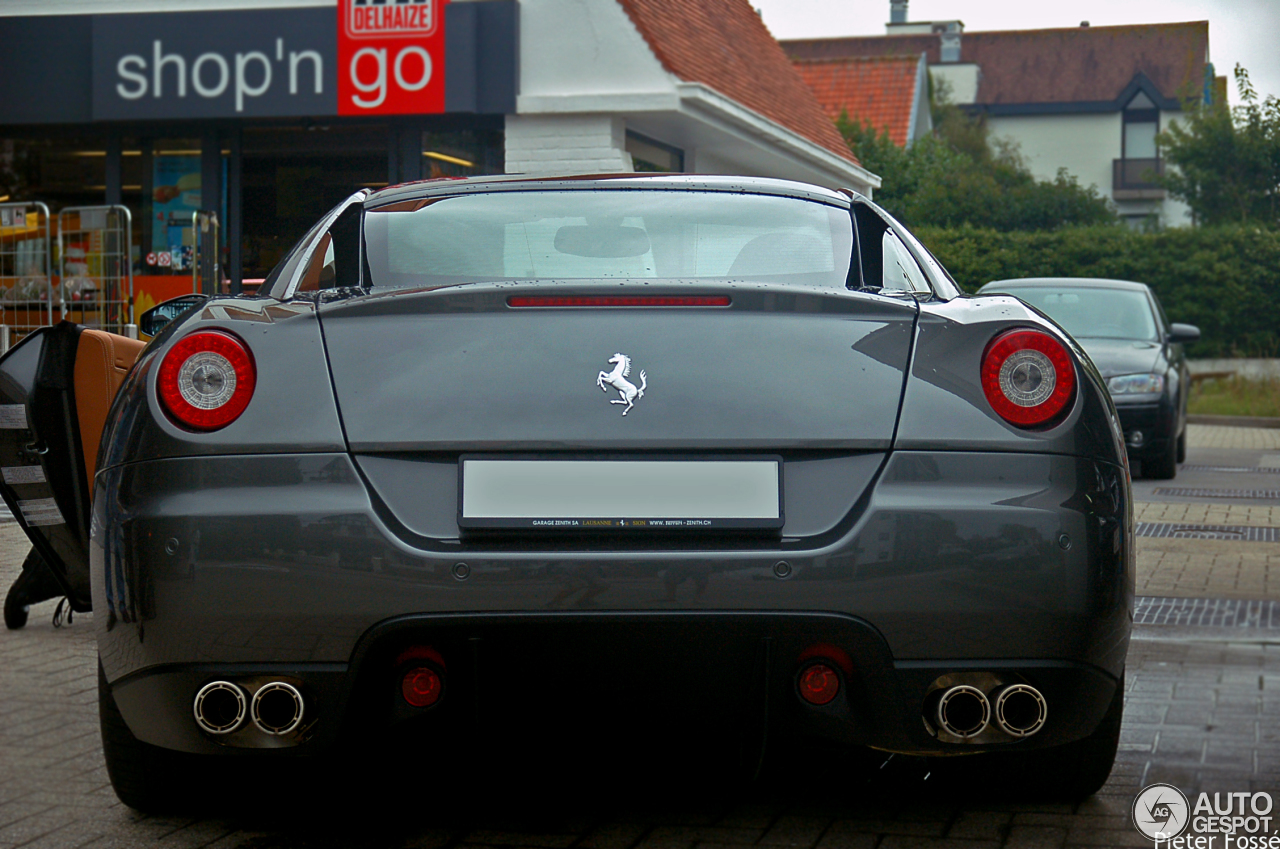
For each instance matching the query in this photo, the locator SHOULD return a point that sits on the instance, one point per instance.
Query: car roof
(1078, 282)
(676, 182)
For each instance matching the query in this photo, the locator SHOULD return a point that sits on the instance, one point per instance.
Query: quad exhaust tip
(963, 711)
(220, 707)
(277, 708)
(1020, 710)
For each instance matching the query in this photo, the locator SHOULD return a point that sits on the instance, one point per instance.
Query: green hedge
(1225, 279)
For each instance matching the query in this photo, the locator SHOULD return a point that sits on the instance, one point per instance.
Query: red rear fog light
(421, 686)
(819, 684)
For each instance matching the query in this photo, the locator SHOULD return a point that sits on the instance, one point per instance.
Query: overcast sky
(1244, 31)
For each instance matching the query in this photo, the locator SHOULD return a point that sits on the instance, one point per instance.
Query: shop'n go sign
(390, 57)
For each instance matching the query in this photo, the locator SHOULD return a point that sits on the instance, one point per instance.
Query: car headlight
(1136, 384)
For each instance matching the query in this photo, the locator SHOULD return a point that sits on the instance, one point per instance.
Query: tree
(1226, 162)
(959, 176)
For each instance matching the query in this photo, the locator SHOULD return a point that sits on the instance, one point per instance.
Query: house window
(1136, 171)
(1141, 124)
(652, 155)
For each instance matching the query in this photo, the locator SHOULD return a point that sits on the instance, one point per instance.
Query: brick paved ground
(1202, 568)
(1250, 438)
(1202, 712)
(1222, 513)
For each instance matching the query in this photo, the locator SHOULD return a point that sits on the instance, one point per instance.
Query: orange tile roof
(723, 44)
(1072, 65)
(878, 90)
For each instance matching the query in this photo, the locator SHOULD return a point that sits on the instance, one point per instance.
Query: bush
(1225, 280)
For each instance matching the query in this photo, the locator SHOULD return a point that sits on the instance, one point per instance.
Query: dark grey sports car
(726, 461)
(1124, 330)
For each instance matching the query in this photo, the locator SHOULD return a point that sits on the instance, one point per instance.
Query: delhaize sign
(391, 57)
(376, 57)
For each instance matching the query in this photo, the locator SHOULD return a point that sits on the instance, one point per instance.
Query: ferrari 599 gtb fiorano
(726, 460)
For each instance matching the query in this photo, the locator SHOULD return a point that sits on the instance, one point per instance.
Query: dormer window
(1141, 124)
(1136, 171)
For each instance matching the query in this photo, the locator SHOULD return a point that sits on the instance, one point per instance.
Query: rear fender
(944, 407)
(292, 409)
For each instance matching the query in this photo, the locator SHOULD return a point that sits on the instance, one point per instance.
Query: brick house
(1087, 99)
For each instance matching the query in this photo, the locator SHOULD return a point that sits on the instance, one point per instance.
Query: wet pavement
(1202, 713)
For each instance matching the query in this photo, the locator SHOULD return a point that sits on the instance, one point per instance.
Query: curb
(1234, 421)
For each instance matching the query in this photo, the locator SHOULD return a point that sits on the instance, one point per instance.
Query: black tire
(145, 777)
(1182, 446)
(1071, 772)
(1165, 466)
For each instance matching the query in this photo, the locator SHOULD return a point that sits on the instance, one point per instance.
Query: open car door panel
(42, 471)
(56, 388)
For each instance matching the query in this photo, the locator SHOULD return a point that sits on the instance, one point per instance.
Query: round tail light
(1028, 377)
(421, 686)
(206, 380)
(819, 684)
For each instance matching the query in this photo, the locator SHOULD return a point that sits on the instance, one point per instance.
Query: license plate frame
(620, 493)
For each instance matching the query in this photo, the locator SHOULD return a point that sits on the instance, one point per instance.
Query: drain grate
(1192, 467)
(1172, 530)
(1212, 612)
(1202, 492)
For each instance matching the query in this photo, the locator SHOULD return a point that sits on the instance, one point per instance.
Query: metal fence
(27, 296)
(95, 267)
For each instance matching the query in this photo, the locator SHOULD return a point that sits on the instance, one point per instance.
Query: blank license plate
(596, 494)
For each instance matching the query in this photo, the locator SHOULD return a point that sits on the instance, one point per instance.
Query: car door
(56, 391)
(42, 464)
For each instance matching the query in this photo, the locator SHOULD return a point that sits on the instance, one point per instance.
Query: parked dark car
(704, 465)
(1122, 327)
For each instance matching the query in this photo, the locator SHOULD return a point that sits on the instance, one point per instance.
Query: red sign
(390, 57)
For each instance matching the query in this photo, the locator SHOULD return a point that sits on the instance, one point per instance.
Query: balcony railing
(1136, 173)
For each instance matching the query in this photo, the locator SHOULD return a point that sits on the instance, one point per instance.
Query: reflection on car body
(933, 552)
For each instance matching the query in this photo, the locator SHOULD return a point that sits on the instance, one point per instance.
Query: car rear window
(626, 234)
(1091, 313)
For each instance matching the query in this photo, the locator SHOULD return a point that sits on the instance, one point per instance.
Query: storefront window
(67, 170)
(463, 153)
(649, 155)
(293, 175)
(61, 172)
(161, 186)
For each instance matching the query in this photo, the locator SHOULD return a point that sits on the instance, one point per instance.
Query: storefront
(257, 120)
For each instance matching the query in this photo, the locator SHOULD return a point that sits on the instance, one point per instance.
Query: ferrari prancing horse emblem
(629, 392)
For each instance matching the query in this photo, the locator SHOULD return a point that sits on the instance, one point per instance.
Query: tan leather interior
(310, 281)
(102, 361)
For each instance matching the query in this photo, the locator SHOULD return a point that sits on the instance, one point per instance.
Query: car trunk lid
(461, 369)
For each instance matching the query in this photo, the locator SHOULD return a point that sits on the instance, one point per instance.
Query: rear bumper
(721, 682)
(949, 562)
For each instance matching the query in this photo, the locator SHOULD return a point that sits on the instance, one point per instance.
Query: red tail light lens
(1028, 377)
(421, 686)
(206, 380)
(819, 684)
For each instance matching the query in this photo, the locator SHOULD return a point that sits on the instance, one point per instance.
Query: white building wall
(1086, 145)
(1083, 144)
(586, 55)
(552, 145)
